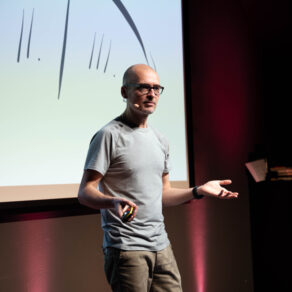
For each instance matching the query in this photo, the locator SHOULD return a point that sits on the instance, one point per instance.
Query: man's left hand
(214, 188)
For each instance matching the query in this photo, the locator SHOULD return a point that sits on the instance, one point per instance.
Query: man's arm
(90, 196)
(173, 196)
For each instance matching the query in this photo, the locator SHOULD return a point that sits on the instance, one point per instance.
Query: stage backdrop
(61, 67)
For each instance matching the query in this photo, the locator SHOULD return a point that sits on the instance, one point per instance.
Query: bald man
(126, 176)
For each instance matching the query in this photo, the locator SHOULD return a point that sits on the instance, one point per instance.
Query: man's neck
(134, 120)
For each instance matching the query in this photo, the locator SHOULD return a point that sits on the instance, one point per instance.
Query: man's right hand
(121, 205)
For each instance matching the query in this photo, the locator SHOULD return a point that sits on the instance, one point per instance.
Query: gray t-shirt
(132, 162)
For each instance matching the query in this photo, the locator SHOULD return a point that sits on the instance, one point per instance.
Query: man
(128, 160)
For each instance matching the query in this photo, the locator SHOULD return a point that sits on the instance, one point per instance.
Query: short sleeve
(100, 152)
(167, 162)
(165, 148)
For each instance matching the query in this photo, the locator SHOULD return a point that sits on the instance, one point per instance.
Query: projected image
(61, 71)
(125, 13)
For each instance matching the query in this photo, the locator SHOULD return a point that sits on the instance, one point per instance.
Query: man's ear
(124, 92)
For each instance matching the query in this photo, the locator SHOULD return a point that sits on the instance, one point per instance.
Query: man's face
(140, 95)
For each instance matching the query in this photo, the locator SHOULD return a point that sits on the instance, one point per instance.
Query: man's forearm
(174, 196)
(93, 198)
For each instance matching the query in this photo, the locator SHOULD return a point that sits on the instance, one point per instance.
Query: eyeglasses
(145, 88)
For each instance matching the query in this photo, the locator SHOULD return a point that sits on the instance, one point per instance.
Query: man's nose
(151, 93)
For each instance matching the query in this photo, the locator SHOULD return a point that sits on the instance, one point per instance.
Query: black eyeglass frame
(146, 86)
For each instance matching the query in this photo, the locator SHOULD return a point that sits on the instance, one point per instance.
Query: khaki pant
(142, 271)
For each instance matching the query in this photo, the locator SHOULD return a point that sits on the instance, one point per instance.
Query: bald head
(132, 73)
(139, 84)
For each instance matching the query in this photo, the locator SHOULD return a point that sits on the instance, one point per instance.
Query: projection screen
(61, 68)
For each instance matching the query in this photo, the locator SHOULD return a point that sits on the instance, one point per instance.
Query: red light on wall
(198, 231)
(35, 254)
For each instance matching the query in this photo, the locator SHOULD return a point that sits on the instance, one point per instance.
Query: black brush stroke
(20, 38)
(153, 62)
(130, 21)
(109, 51)
(90, 61)
(100, 47)
(64, 49)
(29, 37)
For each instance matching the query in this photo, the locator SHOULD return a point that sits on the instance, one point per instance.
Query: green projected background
(61, 67)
